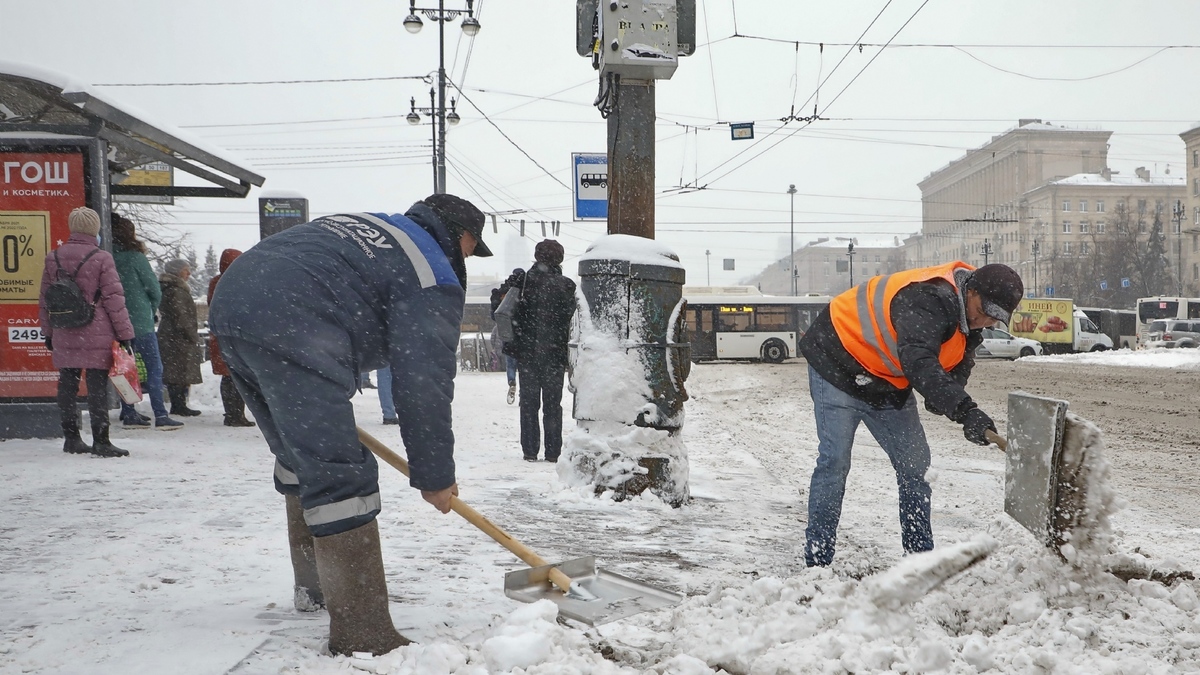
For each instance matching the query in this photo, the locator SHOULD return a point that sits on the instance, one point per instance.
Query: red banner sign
(37, 192)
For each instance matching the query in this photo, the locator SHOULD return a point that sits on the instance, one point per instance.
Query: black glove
(975, 424)
(930, 408)
(127, 345)
(49, 343)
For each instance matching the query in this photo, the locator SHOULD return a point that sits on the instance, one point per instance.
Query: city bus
(1120, 325)
(1164, 307)
(738, 322)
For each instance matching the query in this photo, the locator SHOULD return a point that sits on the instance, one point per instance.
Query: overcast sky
(906, 112)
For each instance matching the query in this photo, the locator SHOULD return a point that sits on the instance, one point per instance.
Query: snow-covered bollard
(629, 362)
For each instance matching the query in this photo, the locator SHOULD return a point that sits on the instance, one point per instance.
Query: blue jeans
(510, 366)
(383, 380)
(147, 346)
(901, 436)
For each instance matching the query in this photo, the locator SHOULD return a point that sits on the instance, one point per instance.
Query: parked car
(1170, 334)
(999, 344)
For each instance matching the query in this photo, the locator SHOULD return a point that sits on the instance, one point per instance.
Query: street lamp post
(986, 250)
(708, 267)
(792, 239)
(1178, 213)
(850, 254)
(1036, 247)
(470, 27)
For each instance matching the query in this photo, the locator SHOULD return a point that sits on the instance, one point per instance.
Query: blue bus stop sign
(590, 173)
(1104, 285)
(1124, 282)
(1049, 291)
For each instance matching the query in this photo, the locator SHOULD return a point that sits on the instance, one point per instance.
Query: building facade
(1190, 239)
(825, 266)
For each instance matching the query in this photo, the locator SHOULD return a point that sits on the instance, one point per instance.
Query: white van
(1087, 337)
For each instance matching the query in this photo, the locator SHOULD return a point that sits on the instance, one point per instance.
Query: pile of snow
(637, 250)
(1143, 358)
(1086, 500)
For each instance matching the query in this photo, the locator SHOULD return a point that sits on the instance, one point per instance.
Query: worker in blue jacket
(299, 317)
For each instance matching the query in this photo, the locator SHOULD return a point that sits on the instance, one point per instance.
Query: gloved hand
(49, 343)
(975, 424)
(930, 408)
(127, 345)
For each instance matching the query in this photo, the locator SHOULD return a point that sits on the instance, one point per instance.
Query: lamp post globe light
(437, 108)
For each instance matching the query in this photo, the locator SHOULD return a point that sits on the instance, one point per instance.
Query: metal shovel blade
(1035, 438)
(615, 596)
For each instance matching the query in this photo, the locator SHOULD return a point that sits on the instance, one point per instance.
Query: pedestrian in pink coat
(86, 348)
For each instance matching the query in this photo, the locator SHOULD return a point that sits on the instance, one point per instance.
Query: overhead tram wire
(802, 106)
(387, 78)
(830, 103)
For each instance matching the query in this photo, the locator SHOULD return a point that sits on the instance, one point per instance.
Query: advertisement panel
(1043, 319)
(37, 192)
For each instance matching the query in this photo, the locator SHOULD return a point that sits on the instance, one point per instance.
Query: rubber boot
(72, 442)
(101, 446)
(307, 589)
(179, 397)
(351, 569)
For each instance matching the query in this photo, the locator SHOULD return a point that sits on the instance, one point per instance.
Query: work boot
(237, 421)
(72, 442)
(101, 446)
(351, 569)
(307, 589)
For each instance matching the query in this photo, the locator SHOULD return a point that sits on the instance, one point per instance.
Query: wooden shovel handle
(474, 517)
(996, 438)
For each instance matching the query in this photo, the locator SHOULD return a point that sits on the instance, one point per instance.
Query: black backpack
(65, 304)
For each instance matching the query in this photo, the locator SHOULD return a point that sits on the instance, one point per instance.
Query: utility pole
(792, 238)
(708, 267)
(632, 288)
(986, 250)
(1178, 212)
(470, 28)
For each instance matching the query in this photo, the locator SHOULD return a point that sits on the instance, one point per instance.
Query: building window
(1195, 243)
(1100, 226)
(1083, 205)
(877, 260)
(826, 269)
(1083, 248)
(1066, 226)
(1066, 248)
(1142, 226)
(1099, 206)
(1066, 205)
(1196, 186)
(1142, 206)
(1195, 271)
(1196, 159)
(1084, 226)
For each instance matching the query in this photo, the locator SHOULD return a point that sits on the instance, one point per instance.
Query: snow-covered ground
(174, 560)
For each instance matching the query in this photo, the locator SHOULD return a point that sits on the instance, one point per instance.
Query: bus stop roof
(42, 102)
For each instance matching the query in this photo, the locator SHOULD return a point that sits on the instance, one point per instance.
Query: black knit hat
(460, 215)
(1000, 288)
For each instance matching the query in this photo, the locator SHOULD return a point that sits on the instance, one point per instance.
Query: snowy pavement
(175, 559)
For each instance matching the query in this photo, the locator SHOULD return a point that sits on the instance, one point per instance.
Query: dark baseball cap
(460, 215)
(1000, 288)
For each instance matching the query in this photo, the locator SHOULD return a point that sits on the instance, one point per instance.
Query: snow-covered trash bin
(629, 362)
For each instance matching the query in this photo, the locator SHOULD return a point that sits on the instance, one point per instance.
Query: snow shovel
(581, 590)
(1033, 458)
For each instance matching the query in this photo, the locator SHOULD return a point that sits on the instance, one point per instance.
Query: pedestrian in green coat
(142, 297)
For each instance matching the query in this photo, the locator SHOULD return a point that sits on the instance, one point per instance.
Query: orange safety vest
(862, 317)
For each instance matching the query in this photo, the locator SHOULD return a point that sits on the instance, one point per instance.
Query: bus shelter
(63, 146)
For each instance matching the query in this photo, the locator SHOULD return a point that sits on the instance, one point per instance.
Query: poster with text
(1044, 320)
(37, 192)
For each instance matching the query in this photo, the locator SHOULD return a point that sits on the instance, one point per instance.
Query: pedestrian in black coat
(543, 328)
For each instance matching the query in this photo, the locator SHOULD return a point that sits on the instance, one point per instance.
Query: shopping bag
(141, 367)
(124, 375)
(506, 313)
